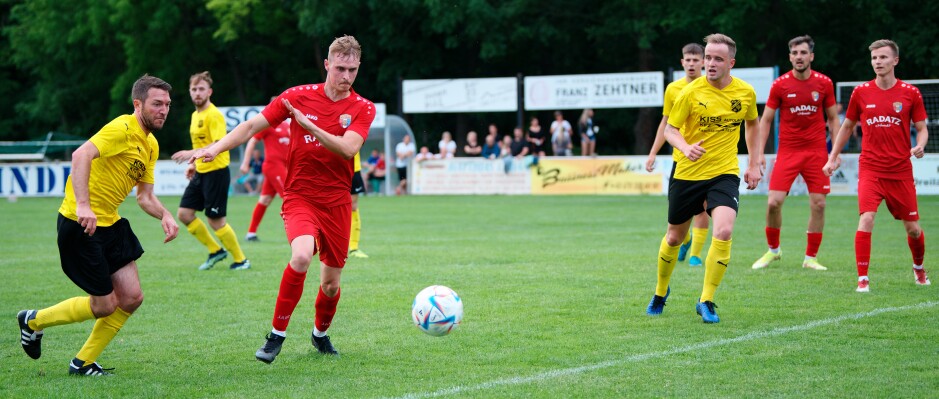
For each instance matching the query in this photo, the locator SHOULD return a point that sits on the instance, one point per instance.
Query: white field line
(646, 356)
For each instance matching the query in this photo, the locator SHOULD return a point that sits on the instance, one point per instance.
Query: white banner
(760, 78)
(48, 179)
(236, 115)
(460, 95)
(469, 176)
(608, 90)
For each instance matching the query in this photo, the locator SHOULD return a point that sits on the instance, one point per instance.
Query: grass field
(554, 289)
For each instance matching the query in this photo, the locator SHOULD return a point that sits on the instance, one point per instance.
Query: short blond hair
(720, 38)
(346, 45)
(203, 76)
(885, 43)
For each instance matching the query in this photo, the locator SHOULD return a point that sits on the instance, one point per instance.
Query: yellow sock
(104, 331)
(227, 235)
(356, 231)
(687, 238)
(699, 236)
(69, 311)
(666, 265)
(198, 229)
(714, 267)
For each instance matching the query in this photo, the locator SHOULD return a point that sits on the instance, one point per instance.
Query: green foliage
(554, 289)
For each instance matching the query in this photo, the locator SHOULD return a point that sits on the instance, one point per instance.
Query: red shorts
(329, 226)
(900, 196)
(809, 164)
(274, 177)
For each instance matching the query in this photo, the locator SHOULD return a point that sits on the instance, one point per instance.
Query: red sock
(917, 247)
(259, 210)
(814, 241)
(772, 237)
(291, 289)
(325, 309)
(862, 252)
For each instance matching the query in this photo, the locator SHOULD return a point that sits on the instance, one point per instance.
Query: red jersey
(801, 105)
(276, 142)
(885, 117)
(314, 172)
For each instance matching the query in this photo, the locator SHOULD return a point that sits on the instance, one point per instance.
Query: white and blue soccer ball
(437, 310)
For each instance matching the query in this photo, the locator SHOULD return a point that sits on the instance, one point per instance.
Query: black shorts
(686, 198)
(209, 192)
(403, 173)
(90, 261)
(358, 185)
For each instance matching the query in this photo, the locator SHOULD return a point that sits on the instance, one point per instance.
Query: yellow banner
(594, 176)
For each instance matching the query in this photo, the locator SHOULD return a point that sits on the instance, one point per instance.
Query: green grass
(549, 284)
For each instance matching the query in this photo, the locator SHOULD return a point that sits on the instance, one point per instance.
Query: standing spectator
(536, 136)
(561, 135)
(519, 145)
(404, 151)
(447, 146)
(472, 147)
(888, 106)
(97, 247)
(494, 132)
(490, 150)
(588, 133)
(208, 181)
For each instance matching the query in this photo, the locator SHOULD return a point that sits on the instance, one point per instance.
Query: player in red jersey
(804, 98)
(274, 169)
(885, 107)
(329, 123)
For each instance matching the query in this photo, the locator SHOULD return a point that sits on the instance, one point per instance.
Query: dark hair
(803, 39)
(693, 48)
(143, 85)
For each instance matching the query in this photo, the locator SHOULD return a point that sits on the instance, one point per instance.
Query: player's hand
(207, 154)
(243, 168)
(170, 228)
(694, 151)
(182, 156)
(650, 163)
(752, 176)
(831, 166)
(190, 171)
(917, 151)
(87, 218)
(299, 117)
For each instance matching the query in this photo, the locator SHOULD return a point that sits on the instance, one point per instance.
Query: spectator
(376, 173)
(588, 136)
(519, 145)
(372, 159)
(536, 137)
(447, 146)
(472, 147)
(490, 148)
(494, 132)
(424, 155)
(561, 133)
(404, 151)
(254, 172)
(505, 152)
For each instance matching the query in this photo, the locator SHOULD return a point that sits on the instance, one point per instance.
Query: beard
(151, 123)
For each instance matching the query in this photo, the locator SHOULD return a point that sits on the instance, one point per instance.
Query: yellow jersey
(671, 94)
(358, 164)
(127, 156)
(205, 128)
(713, 116)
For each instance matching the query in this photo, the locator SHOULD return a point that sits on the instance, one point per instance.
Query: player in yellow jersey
(97, 247)
(706, 174)
(208, 181)
(692, 56)
(358, 187)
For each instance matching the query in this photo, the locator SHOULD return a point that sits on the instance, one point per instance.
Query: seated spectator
(373, 158)
(447, 146)
(505, 152)
(536, 136)
(490, 149)
(519, 145)
(253, 178)
(424, 155)
(376, 173)
(472, 147)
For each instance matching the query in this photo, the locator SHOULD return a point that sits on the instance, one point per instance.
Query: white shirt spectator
(404, 154)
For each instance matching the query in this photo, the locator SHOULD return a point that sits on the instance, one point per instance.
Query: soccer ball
(437, 310)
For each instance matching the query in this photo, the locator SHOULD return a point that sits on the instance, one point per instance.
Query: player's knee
(774, 204)
(103, 306)
(301, 261)
(265, 200)
(217, 223)
(818, 205)
(185, 216)
(330, 287)
(131, 302)
(673, 239)
(913, 230)
(723, 233)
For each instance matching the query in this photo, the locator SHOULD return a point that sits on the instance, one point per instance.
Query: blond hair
(720, 38)
(346, 45)
(203, 76)
(885, 43)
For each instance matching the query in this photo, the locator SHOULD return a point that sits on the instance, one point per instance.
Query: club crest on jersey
(897, 106)
(814, 96)
(200, 122)
(345, 120)
(735, 105)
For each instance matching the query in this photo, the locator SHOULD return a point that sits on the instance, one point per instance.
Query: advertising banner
(605, 90)
(601, 175)
(460, 95)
